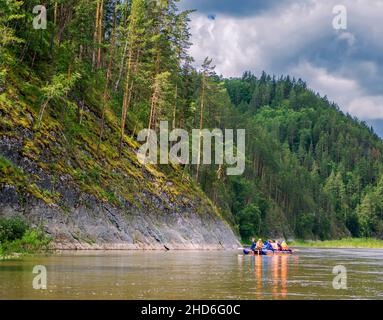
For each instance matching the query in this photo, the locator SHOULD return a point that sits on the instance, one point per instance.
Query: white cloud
(367, 107)
(347, 93)
(241, 43)
(327, 84)
(298, 39)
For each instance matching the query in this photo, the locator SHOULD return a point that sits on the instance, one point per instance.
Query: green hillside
(312, 170)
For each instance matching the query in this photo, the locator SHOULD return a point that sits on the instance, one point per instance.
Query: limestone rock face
(81, 221)
(95, 225)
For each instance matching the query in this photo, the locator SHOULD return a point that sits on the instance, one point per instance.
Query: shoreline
(166, 246)
(348, 243)
(83, 247)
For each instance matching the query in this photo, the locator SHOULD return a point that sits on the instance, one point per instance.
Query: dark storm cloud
(232, 7)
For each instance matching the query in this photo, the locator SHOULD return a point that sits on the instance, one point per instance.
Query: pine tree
(105, 97)
(181, 35)
(206, 72)
(135, 32)
(159, 108)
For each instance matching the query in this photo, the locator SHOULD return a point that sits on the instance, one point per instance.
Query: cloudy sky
(297, 37)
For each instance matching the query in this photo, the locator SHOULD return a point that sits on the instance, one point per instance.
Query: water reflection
(272, 269)
(275, 263)
(284, 275)
(258, 274)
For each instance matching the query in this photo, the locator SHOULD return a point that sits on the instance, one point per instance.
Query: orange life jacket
(259, 244)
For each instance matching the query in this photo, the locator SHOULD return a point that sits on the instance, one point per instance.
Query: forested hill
(72, 98)
(74, 95)
(310, 166)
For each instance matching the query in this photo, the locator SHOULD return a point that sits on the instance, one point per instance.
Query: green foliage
(12, 229)
(305, 226)
(17, 237)
(162, 87)
(60, 86)
(32, 241)
(370, 211)
(250, 221)
(9, 12)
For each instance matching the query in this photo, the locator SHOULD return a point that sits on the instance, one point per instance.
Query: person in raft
(284, 246)
(269, 246)
(253, 244)
(274, 244)
(259, 244)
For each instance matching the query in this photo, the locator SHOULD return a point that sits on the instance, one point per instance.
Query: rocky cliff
(85, 194)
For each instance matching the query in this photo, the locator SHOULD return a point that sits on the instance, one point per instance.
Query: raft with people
(268, 248)
(262, 252)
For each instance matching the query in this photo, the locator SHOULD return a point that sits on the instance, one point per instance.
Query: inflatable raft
(265, 252)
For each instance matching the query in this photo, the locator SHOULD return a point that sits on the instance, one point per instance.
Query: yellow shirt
(275, 245)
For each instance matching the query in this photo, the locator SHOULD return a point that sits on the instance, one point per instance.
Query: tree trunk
(101, 14)
(200, 126)
(175, 107)
(153, 108)
(108, 76)
(126, 99)
(41, 113)
(55, 14)
(121, 66)
(95, 34)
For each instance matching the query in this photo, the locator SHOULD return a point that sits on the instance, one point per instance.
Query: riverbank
(342, 243)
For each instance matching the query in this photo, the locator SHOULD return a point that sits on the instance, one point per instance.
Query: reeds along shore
(342, 243)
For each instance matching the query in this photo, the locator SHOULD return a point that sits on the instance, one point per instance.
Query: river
(308, 274)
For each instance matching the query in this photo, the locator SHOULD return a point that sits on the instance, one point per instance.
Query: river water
(308, 274)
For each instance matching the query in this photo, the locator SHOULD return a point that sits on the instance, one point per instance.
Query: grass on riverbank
(16, 237)
(343, 243)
